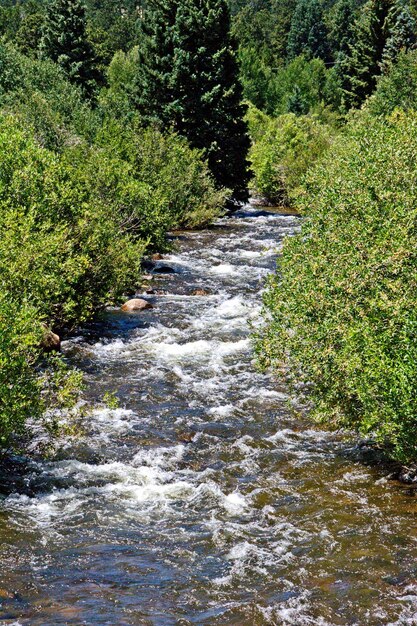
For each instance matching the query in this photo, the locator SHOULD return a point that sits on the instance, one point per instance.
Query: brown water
(204, 499)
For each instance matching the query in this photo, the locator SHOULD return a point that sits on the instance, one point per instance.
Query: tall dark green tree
(154, 89)
(343, 17)
(188, 79)
(401, 32)
(362, 65)
(65, 41)
(308, 34)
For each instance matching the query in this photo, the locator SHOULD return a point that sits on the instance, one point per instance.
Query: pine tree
(65, 41)
(401, 29)
(154, 90)
(341, 31)
(297, 103)
(362, 65)
(308, 34)
(188, 80)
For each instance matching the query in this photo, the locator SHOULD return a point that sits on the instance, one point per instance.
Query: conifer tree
(154, 90)
(341, 31)
(65, 41)
(296, 102)
(308, 34)
(362, 65)
(188, 79)
(401, 29)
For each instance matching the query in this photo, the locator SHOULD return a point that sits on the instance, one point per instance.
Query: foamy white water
(206, 498)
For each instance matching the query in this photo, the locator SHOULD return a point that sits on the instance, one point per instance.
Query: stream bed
(206, 498)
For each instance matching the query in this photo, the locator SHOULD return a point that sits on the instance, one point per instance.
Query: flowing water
(205, 499)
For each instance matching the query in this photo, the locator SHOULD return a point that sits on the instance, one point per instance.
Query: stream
(206, 498)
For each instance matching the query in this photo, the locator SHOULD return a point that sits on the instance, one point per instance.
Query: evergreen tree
(308, 34)
(154, 90)
(362, 65)
(401, 29)
(65, 41)
(342, 22)
(188, 79)
(296, 102)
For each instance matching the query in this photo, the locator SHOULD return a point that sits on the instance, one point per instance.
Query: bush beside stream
(82, 198)
(342, 309)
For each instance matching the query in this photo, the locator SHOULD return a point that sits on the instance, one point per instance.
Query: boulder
(157, 257)
(137, 304)
(200, 292)
(51, 342)
(186, 437)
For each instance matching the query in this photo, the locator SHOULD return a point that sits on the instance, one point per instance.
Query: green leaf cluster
(283, 149)
(342, 310)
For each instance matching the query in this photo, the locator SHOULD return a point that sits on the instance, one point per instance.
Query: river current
(206, 498)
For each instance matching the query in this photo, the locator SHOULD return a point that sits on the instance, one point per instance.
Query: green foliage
(284, 148)
(64, 40)
(39, 93)
(341, 310)
(308, 34)
(29, 33)
(263, 26)
(382, 30)
(20, 335)
(160, 181)
(116, 101)
(301, 80)
(73, 229)
(27, 392)
(59, 245)
(397, 88)
(188, 79)
(256, 77)
(112, 26)
(401, 27)
(64, 254)
(342, 18)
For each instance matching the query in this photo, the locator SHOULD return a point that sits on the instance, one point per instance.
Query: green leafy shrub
(64, 253)
(20, 336)
(299, 87)
(283, 149)
(342, 308)
(26, 389)
(73, 230)
(38, 92)
(397, 88)
(170, 183)
(59, 245)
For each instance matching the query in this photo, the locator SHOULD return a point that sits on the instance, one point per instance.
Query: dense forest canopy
(352, 41)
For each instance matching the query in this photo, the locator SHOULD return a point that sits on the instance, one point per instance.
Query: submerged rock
(200, 292)
(137, 304)
(164, 269)
(186, 437)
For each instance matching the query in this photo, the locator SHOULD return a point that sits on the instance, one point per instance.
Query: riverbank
(205, 497)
